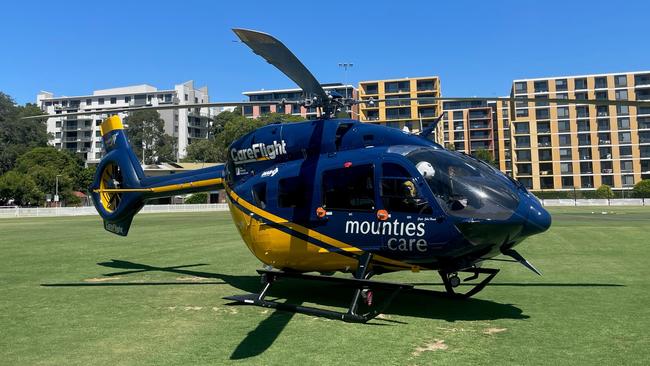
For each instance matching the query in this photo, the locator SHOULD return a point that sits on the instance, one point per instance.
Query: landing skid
(363, 292)
(362, 289)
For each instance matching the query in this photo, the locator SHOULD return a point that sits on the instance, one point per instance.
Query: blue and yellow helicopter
(336, 195)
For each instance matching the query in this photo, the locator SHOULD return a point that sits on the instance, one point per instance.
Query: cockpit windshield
(464, 186)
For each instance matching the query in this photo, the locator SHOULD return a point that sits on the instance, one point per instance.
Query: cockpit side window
(349, 188)
(399, 191)
(464, 187)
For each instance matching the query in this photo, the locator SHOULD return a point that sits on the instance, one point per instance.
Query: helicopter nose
(539, 220)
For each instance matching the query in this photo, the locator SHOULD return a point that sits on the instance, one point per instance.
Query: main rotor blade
(278, 55)
(634, 103)
(164, 107)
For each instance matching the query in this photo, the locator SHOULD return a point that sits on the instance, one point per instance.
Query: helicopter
(313, 198)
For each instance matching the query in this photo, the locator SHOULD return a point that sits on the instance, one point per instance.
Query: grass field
(73, 294)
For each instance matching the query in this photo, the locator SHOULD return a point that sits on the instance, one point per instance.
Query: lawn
(73, 294)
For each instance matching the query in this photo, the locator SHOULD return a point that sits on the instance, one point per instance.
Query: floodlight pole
(56, 190)
(346, 66)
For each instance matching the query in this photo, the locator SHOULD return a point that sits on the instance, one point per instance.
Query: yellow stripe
(110, 124)
(168, 188)
(312, 233)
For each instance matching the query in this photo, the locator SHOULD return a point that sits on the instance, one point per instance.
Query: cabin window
(293, 192)
(259, 195)
(400, 193)
(349, 188)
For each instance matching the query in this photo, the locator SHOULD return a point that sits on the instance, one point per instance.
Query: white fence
(597, 202)
(6, 212)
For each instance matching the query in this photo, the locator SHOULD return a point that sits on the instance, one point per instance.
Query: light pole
(346, 66)
(56, 190)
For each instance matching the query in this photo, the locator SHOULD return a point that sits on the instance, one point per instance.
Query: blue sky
(477, 48)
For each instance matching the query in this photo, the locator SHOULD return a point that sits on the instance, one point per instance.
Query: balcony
(642, 80)
(423, 86)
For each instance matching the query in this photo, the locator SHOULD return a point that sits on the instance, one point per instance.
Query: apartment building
(293, 94)
(559, 146)
(415, 114)
(81, 135)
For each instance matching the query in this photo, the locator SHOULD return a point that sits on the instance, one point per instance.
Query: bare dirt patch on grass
(436, 345)
(490, 331)
(102, 279)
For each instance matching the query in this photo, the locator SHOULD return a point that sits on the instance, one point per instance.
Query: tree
(17, 136)
(205, 151)
(485, 155)
(43, 164)
(281, 118)
(604, 191)
(197, 198)
(146, 128)
(642, 189)
(19, 189)
(84, 178)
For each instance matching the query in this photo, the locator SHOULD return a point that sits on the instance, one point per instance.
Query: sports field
(73, 294)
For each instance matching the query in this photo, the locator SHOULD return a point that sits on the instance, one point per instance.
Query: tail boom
(120, 187)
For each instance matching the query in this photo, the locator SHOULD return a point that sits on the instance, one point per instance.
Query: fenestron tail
(120, 187)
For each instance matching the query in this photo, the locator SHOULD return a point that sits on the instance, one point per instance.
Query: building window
(563, 112)
(566, 168)
(58, 124)
(624, 123)
(541, 86)
(565, 154)
(265, 109)
(522, 128)
(567, 182)
(582, 111)
(581, 95)
(127, 100)
(100, 101)
(522, 141)
(565, 140)
(58, 135)
(561, 85)
(523, 155)
(621, 95)
(113, 100)
(187, 97)
(542, 113)
(625, 151)
(601, 82)
(620, 80)
(372, 88)
(563, 126)
(601, 95)
(580, 84)
(624, 138)
(89, 101)
(521, 87)
(602, 111)
(348, 188)
(607, 180)
(628, 180)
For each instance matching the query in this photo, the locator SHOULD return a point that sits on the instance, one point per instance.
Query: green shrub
(642, 189)
(604, 191)
(197, 198)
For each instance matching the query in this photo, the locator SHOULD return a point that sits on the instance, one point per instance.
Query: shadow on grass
(414, 303)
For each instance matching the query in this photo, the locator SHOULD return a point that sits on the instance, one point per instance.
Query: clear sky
(476, 47)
